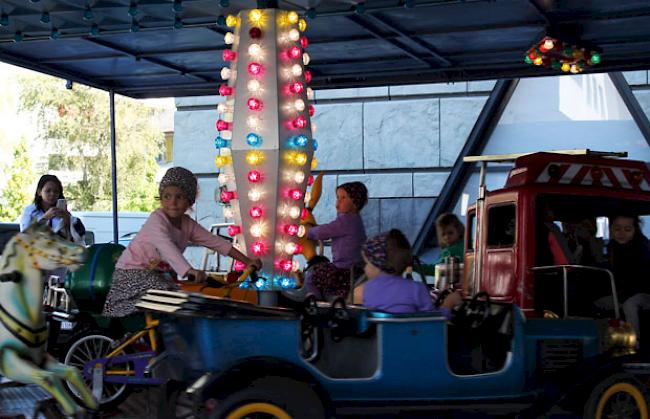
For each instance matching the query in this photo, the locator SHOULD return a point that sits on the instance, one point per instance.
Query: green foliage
(74, 125)
(17, 194)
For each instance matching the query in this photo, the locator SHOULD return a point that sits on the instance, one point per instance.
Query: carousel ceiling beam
(146, 54)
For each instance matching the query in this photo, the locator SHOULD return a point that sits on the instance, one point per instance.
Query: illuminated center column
(268, 118)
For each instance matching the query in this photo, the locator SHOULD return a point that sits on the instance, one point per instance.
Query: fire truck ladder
(482, 189)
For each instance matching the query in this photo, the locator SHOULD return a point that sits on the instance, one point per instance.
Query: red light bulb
(258, 248)
(234, 230)
(291, 229)
(227, 196)
(239, 266)
(295, 194)
(308, 76)
(255, 69)
(294, 52)
(286, 265)
(255, 33)
(304, 42)
(310, 180)
(223, 125)
(296, 87)
(254, 104)
(298, 248)
(225, 90)
(304, 214)
(300, 122)
(229, 55)
(254, 176)
(256, 212)
(312, 110)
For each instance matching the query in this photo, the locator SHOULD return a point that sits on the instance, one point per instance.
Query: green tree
(17, 194)
(74, 125)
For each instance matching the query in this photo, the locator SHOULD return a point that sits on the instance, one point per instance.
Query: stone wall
(401, 141)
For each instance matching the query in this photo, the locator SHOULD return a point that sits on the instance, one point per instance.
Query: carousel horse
(23, 332)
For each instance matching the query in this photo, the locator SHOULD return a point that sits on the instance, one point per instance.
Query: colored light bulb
(256, 212)
(305, 58)
(254, 195)
(229, 38)
(299, 176)
(225, 90)
(291, 229)
(239, 266)
(255, 33)
(300, 159)
(225, 73)
(256, 16)
(226, 135)
(293, 17)
(286, 265)
(257, 230)
(302, 25)
(222, 161)
(253, 122)
(254, 176)
(302, 230)
(548, 44)
(595, 58)
(290, 248)
(221, 143)
(314, 128)
(310, 180)
(294, 52)
(538, 61)
(300, 122)
(254, 86)
(234, 230)
(296, 87)
(294, 34)
(254, 104)
(232, 21)
(566, 67)
(223, 125)
(254, 157)
(308, 76)
(223, 108)
(299, 104)
(258, 248)
(304, 42)
(227, 196)
(296, 70)
(253, 140)
(304, 214)
(229, 55)
(223, 178)
(228, 212)
(575, 68)
(255, 69)
(295, 194)
(301, 140)
(314, 163)
(255, 50)
(294, 212)
(310, 93)
(312, 110)
(307, 197)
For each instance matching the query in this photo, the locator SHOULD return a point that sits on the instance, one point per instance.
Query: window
(501, 226)
(471, 231)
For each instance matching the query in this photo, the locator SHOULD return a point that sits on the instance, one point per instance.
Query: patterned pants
(129, 285)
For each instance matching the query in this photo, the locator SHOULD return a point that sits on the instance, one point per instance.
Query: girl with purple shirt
(387, 256)
(330, 280)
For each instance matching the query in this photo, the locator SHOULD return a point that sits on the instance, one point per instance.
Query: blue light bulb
(221, 143)
(301, 140)
(254, 140)
(315, 144)
(260, 283)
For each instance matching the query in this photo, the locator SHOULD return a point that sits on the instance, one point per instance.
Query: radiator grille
(558, 354)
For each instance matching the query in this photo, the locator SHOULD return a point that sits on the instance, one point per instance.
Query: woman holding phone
(50, 207)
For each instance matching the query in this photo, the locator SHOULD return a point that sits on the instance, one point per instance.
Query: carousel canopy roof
(153, 48)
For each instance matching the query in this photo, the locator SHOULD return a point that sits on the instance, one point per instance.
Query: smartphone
(61, 204)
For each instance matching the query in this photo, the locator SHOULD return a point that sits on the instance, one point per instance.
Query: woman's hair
(399, 251)
(41, 183)
(448, 219)
(636, 222)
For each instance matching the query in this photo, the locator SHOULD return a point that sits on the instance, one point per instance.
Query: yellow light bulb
(290, 248)
(254, 195)
(566, 67)
(293, 17)
(300, 159)
(538, 61)
(299, 177)
(294, 35)
(302, 25)
(229, 38)
(255, 16)
(232, 21)
(254, 157)
(305, 58)
(257, 230)
(253, 86)
(314, 163)
(294, 212)
(296, 70)
(222, 161)
(299, 104)
(255, 50)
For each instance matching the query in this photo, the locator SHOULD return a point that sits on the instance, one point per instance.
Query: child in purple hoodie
(331, 280)
(387, 256)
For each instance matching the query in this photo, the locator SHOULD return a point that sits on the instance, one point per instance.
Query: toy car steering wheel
(473, 313)
(338, 316)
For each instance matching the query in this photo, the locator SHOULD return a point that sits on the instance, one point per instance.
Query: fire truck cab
(516, 248)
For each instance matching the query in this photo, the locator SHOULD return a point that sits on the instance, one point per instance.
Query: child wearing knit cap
(157, 249)
(347, 232)
(387, 256)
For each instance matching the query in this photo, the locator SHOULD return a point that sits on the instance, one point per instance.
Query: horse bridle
(33, 251)
(13, 276)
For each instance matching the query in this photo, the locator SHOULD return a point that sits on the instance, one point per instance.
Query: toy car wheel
(89, 347)
(271, 397)
(618, 396)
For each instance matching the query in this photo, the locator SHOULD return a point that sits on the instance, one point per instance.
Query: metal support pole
(111, 95)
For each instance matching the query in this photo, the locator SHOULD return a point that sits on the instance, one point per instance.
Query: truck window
(501, 226)
(471, 231)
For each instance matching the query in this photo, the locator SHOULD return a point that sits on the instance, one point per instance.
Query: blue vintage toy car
(327, 360)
